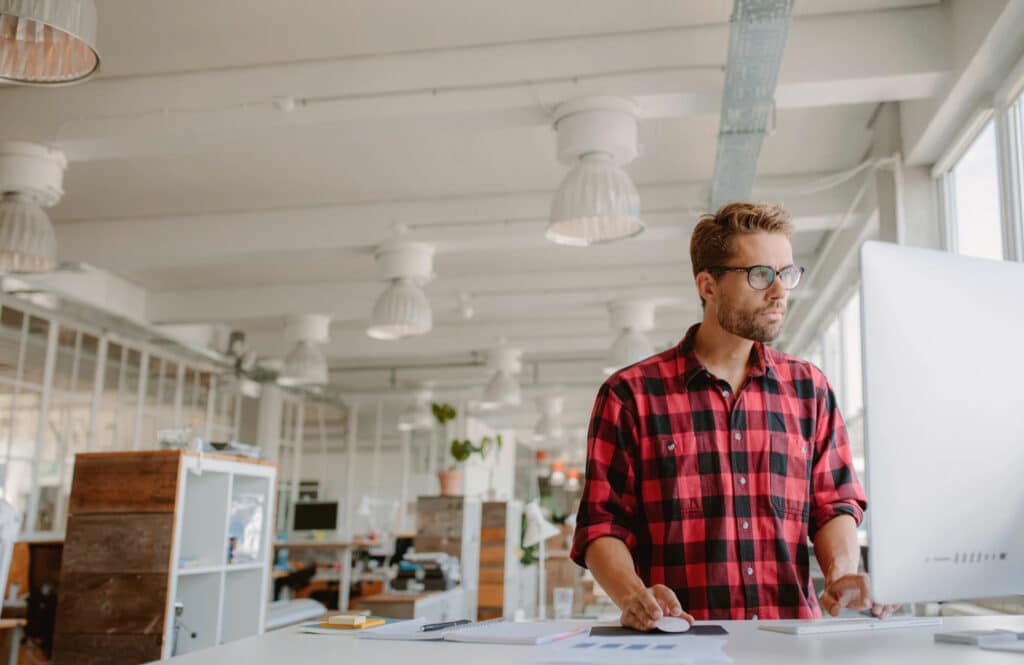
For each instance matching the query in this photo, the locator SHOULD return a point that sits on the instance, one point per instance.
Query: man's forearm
(611, 564)
(835, 546)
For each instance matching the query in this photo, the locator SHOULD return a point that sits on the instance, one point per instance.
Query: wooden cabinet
(499, 564)
(151, 530)
(451, 524)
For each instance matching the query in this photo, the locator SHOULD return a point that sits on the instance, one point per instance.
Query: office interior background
(282, 234)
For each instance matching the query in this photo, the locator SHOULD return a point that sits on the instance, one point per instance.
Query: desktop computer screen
(943, 363)
(316, 516)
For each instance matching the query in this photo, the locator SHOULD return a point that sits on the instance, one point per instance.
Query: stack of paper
(639, 650)
(496, 631)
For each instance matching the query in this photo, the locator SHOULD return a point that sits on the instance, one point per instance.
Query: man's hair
(711, 243)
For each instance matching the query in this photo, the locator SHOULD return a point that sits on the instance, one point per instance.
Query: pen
(444, 624)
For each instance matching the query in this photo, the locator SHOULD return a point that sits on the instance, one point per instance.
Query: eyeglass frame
(748, 269)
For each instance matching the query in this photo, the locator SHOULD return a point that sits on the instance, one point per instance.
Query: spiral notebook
(495, 631)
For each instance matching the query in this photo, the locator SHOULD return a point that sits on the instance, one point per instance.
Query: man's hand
(643, 608)
(853, 592)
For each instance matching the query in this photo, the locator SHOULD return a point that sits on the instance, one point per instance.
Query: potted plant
(461, 450)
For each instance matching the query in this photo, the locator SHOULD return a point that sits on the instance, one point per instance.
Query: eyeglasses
(761, 277)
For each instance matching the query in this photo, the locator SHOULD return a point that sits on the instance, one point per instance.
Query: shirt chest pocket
(789, 466)
(681, 464)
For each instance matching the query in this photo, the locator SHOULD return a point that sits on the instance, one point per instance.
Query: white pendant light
(305, 364)
(549, 425)
(47, 42)
(503, 388)
(403, 310)
(597, 201)
(31, 178)
(632, 319)
(417, 415)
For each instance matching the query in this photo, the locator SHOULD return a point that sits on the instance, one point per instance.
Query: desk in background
(11, 630)
(430, 605)
(747, 645)
(343, 548)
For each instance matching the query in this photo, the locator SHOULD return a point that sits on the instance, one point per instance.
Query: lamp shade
(417, 415)
(47, 42)
(502, 390)
(557, 478)
(538, 529)
(401, 311)
(631, 346)
(27, 239)
(572, 481)
(597, 202)
(305, 365)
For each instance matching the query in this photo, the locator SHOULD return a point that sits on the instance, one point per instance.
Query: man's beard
(750, 325)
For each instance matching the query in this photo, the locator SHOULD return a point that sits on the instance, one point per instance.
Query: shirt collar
(689, 366)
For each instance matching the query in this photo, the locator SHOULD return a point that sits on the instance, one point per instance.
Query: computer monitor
(943, 384)
(316, 516)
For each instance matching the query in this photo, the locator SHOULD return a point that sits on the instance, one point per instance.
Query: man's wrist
(628, 588)
(837, 570)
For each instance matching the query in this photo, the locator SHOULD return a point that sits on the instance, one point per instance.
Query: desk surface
(746, 645)
(314, 544)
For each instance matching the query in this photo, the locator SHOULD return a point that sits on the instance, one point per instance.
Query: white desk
(746, 645)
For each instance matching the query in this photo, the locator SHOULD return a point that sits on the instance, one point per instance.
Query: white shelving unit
(222, 601)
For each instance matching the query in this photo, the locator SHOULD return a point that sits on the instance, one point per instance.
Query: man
(709, 466)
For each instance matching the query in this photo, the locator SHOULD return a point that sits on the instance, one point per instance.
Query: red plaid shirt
(716, 494)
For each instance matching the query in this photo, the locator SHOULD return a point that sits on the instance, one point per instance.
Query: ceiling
(190, 178)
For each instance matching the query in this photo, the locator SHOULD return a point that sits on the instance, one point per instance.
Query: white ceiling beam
(503, 294)
(513, 221)
(498, 85)
(987, 44)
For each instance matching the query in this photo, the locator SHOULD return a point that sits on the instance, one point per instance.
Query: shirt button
(737, 436)
(743, 481)
(750, 571)
(725, 393)
(746, 525)
(803, 449)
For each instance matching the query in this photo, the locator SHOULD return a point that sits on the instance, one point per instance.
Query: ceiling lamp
(632, 318)
(503, 388)
(597, 201)
(403, 309)
(47, 42)
(31, 178)
(417, 416)
(549, 425)
(305, 364)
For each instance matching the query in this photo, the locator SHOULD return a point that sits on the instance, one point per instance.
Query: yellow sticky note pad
(367, 623)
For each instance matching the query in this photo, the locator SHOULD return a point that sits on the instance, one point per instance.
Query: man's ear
(706, 285)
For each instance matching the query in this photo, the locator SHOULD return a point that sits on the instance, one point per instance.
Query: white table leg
(12, 659)
(346, 579)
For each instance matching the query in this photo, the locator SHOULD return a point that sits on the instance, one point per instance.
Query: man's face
(742, 310)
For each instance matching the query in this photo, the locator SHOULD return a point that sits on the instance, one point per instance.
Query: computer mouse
(672, 625)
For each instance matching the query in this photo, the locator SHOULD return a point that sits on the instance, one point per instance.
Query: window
(973, 182)
(852, 388)
(837, 352)
(65, 389)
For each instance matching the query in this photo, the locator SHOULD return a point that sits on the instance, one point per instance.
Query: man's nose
(776, 291)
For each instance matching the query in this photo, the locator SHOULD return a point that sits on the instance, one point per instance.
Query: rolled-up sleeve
(835, 487)
(608, 505)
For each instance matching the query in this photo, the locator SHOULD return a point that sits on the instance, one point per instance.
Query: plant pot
(450, 481)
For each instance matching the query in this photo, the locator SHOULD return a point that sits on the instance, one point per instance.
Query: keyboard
(866, 624)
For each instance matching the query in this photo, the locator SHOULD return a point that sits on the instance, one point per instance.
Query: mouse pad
(620, 631)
